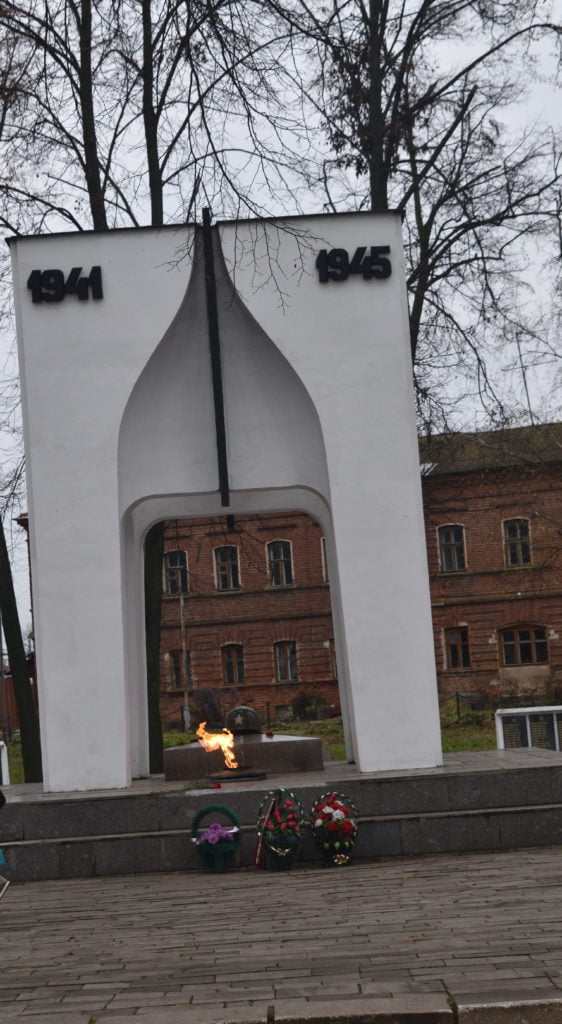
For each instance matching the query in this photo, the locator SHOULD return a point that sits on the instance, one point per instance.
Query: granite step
(401, 814)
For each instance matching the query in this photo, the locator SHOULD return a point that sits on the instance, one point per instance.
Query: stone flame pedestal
(272, 754)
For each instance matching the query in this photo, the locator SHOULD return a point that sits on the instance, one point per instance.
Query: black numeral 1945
(335, 264)
(50, 285)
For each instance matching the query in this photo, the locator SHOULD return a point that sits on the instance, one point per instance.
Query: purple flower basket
(216, 851)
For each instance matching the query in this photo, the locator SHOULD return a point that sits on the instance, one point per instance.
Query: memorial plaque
(542, 731)
(514, 731)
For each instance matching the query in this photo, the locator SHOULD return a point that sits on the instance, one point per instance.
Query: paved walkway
(411, 936)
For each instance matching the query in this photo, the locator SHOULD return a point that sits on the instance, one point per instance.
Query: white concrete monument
(252, 367)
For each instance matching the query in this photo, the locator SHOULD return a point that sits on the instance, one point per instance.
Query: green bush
(308, 706)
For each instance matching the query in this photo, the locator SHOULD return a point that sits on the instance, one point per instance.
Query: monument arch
(129, 420)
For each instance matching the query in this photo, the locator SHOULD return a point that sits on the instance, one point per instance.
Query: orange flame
(218, 741)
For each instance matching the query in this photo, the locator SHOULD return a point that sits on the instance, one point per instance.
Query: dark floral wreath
(279, 826)
(280, 813)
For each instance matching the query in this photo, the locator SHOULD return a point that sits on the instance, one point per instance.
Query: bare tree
(114, 113)
(15, 83)
(415, 99)
(140, 110)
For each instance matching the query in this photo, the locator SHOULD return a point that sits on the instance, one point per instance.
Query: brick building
(493, 514)
(246, 610)
(246, 613)
(246, 607)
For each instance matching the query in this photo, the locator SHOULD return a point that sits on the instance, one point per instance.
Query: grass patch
(175, 739)
(474, 731)
(329, 730)
(464, 728)
(15, 761)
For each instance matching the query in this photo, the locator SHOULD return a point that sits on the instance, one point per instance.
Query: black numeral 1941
(50, 285)
(335, 264)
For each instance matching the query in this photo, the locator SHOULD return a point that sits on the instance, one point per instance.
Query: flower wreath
(280, 815)
(217, 842)
(333, 821)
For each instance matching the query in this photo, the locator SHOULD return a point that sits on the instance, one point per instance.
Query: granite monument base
(267, 753)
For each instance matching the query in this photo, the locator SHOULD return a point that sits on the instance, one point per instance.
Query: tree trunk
(91, 161)
(377, 171)
(150, 120)
(25, 704)
(153, 555)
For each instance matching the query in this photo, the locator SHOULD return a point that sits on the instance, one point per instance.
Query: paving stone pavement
(473, 938)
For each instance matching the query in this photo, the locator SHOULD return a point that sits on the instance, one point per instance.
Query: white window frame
(166, 570)
(325, 575)
(285, 641)
(517, 519)
(280, 540)
(226, 590)
(224, 647)
(448, 526)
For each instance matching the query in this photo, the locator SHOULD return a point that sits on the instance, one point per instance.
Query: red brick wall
(256, 616)
(8, 712)
(485, 598)
(490, 596)
(9, 720)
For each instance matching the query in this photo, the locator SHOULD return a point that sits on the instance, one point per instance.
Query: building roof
(494, 449)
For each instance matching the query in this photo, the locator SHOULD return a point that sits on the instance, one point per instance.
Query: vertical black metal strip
(215, 350)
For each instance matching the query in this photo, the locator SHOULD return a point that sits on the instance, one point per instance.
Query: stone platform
(493, 800)
(278, 754)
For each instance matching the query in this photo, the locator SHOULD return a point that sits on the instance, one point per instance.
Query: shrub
(307, 706)
(205, 706)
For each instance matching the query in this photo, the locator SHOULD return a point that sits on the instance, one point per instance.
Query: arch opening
(279, 607)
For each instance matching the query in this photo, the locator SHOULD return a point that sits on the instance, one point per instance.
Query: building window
(524, 645)
(333, 662)
(517, 542)
(451, 548)
(325, 576)
(458, 654)
(226, 564)
(180, 669)
(286, 661)
(233, 664)
(279, 563)
(175, 572)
